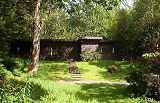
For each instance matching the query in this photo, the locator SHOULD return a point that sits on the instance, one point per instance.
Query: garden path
(93, 82)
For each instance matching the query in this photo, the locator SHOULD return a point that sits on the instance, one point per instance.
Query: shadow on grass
(59, 68)
(53, 70)
(51, 61)
(125, 69)
(102, 93)
(107, 63)
(37, 91)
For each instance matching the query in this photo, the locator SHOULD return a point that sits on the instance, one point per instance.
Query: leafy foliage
(138, 29)
(79, 19)
(155, 68)
(138, 86)
(143, 84)
(113, 69)
(20, 91)
(15, 66)
(152, 58)
(15, 21)
(148, 60)
(92, 56)
(9, 63)
(146, 81)
(13, 90)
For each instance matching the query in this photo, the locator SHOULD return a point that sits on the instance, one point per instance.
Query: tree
(37, 28)
(15, 21)
(38, 23)
(36, 39)
(138, 28)
(78, 20)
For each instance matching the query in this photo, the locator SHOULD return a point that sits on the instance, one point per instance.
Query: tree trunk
(36, 40)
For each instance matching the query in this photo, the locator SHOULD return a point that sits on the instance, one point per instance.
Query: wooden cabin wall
(68, 49)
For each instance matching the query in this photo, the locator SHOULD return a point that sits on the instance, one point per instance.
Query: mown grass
(66, 93)
(90, 70)
(53, 91)
(58, 92)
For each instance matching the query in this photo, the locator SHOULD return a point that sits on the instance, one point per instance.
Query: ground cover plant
(45, 87)
(146, 81)
(92, 56)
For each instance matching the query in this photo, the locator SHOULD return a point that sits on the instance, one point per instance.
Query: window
(107, 50)
(30, 50)
(17, 49)
(56, 52)
(60, 52)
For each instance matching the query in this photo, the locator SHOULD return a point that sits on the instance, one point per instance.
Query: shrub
(17, 72)
(151, 55)
(144, 84)
(9, 63)
(144, 99)
(151, 58)
(92, 56)
(4, 73)
(13, 91)
(155, 68)
(113, 69)
(16, 66)
(146, 81)
(148, 59)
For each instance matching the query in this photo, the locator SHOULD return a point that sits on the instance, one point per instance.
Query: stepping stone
(76, 75)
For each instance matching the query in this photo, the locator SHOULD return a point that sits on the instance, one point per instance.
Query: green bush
(144, 99)
(92, 56)
(146, 81)
(4, 73)
(151, 58)
(113, 69)
(151, 55)
(143, 84)
(16, 66)
(17, 72)
(9, 63)
(13, 91)
(155, 68)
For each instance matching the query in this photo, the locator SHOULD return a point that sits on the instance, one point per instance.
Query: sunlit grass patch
(90, 70)
(98, 70)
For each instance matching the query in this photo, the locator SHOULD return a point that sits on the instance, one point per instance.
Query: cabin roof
(109, 41)
(92, 38)
(63, 40)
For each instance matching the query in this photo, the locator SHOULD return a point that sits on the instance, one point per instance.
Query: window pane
(56, 52)
(107, 50)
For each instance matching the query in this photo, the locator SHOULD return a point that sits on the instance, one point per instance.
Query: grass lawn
(48, 90)
(58, 92)
(90, 70)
